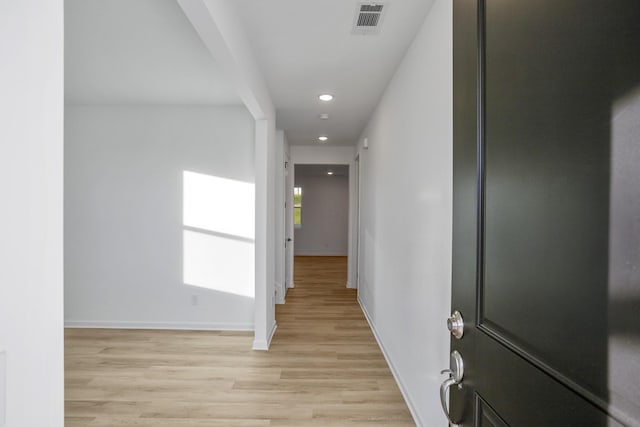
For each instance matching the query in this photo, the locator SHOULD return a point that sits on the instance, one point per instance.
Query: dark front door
(546, 261)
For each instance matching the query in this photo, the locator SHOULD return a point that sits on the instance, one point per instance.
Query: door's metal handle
(455, 324)
(443, 397)
(456, 374)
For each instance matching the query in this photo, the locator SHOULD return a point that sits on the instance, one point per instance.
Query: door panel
(547, 184)
(537, 237)
(486, 416)
(524, 395)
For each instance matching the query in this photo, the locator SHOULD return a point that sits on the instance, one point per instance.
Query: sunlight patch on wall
(218, 234)
(219, 263)
(219, 204)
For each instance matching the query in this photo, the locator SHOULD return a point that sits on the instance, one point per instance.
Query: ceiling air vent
(368, 17)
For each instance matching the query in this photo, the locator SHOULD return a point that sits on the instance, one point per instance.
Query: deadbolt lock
(455, 324)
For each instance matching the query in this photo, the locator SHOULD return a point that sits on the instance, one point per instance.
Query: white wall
(279, 250)
(159, 217)
(322, 155)
(325, 216)
(265, 309)
(31, 107)
(406, 216)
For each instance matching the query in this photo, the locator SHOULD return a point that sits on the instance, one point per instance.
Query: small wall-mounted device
(365, 143)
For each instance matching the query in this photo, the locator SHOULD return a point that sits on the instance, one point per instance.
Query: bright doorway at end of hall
(321, 211)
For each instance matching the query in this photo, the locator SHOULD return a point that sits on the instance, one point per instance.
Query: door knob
(456, 374)
(455, 324)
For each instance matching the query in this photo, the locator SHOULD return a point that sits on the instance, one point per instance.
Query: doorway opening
(320, 218)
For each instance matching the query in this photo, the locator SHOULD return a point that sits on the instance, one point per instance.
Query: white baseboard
(194, 326)
(394, 371)
(349, 285)
(262, 344)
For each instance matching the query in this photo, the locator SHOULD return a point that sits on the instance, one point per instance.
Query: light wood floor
(324, 368)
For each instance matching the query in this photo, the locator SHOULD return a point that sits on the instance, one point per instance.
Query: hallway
(330, 350)
(324, 368)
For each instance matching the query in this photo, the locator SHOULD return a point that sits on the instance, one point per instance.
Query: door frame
(288, 222)
(301, 155)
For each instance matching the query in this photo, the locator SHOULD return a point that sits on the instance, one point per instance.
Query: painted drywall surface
(279, 216)
(271, 229)
(142, 52)
(325, 216)
(265, 320)
(322, 155)
(406, 215)
(31, 146)
(159, 217)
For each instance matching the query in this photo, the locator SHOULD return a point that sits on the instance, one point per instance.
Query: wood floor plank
(324, 368)
(176, 422)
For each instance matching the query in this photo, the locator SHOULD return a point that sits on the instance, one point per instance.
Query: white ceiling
(138, 52)
(305, 48)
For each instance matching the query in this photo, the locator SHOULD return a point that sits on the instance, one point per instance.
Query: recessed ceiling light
(325, 97)
(324, 116)
(329, 173)
(323, 138)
